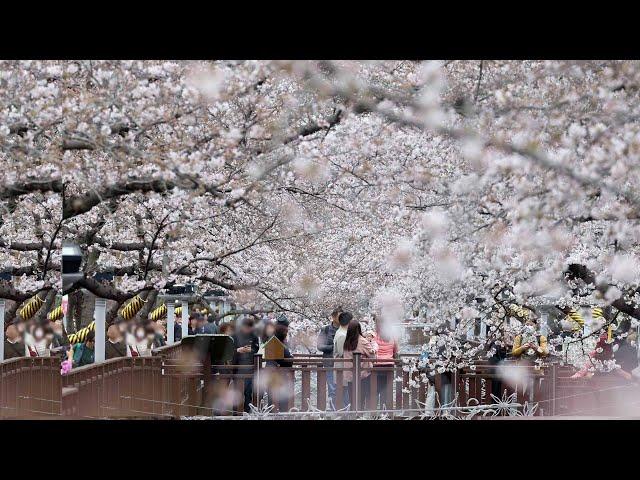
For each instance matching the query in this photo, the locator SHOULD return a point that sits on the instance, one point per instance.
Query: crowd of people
(340, 339)
(33, 338)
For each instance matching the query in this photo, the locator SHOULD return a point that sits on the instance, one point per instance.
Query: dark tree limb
(23, 188)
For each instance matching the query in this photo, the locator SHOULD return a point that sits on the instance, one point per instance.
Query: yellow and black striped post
(32, 306)
(133, 307)
(81, 334)
(55, 314)
(160, 312)
(128, 312)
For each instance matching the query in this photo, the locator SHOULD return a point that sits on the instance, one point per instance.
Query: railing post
(2, 304)
(257, 366)
(185, 318)
(171, 320)
(554, 380)
(454, 386)
(355, 401)
(99, 317)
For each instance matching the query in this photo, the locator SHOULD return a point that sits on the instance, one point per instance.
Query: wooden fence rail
(172, 383)
(30, 387)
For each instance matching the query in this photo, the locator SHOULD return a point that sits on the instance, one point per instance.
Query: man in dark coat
(210, 328)
(114, 346)
(246, 346)
(325, 345)
(177, 331)
(13, 345)
(202, 326)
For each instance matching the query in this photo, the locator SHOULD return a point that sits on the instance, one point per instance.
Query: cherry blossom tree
(437, 191)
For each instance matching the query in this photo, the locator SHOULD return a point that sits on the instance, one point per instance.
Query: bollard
(185, 318)
(171, 318)
(2, 304)
(99, 316)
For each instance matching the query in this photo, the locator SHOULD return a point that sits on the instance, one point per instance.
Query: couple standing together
(341, 339)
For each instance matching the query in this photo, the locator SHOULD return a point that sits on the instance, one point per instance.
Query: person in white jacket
(341, 334)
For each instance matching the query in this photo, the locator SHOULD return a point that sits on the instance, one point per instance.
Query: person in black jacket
(114, 346)
(194, 324)
(177, 330)
(325, 345)
(246, 346)
(13, 345)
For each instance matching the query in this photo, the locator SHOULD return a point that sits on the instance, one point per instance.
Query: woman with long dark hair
(356, 343)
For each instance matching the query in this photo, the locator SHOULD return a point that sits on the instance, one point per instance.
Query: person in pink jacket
(387, 347)
(356, 343)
